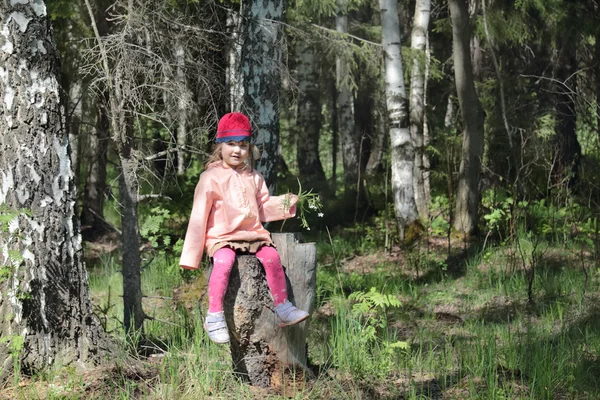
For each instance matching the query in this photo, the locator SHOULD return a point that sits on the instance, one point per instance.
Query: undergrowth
(389, 324)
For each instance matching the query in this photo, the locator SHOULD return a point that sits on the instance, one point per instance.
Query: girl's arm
(195, 238)
(274, 208)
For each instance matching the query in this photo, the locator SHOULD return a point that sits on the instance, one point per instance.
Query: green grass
(463, 329)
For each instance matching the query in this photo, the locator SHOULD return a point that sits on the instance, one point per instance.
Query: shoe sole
(283, 324)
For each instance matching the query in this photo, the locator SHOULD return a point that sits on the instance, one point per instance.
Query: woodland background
(455, 153)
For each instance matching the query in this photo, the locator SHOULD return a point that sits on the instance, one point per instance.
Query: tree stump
(261, 349)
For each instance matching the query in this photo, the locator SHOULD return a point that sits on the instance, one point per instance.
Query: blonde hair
(216, 156)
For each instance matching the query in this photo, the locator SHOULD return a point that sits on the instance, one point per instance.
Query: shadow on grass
(585, 332)
(453, 267)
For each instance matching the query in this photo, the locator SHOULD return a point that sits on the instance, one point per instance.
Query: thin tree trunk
(44, 300)
(261, 74)
(397, 107)
(564, 90)
(308, 122)
(335, 134)
(467, 196)
(378, 144)
(426, 135)
(345, 110)
(133, 314)
(183, 103)
(74, 121)
(417, 101)
(92, 215)
(122, 137)
(234, 54)
(475, 44)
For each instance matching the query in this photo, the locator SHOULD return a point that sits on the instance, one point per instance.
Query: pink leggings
(223, 260)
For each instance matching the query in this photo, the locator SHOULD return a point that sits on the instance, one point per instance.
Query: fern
(373, 305)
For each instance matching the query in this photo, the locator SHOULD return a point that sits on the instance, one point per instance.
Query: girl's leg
(288, 314)
(269, 258)
(223, 260)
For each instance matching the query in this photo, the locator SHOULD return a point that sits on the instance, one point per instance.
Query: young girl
(230, 202)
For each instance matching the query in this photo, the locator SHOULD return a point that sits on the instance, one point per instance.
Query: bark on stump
(260, 349)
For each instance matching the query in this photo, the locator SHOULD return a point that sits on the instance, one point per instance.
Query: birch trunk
(397, 108)
(417, 102)
(309, 115)
(261, 74)
(467, 195)
(45, 298)
(234, 54)
(345, 109)
(183, 103)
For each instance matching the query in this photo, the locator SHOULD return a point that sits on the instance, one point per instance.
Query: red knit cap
(233, 127)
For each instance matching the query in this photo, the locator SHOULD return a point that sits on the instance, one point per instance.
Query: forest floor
(464, 328)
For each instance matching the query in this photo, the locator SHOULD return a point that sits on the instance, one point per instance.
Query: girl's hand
(293, 199)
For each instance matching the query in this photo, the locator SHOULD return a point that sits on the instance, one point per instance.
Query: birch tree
(417, 103)
(397, 109)
(183, 106)
(261, 68)
(234, 55)
(467, 195)
(45, 309)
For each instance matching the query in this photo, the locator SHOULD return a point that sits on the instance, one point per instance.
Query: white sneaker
(216, 327)
(289, 315)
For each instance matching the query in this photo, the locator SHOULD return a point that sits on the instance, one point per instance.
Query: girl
(230, 202)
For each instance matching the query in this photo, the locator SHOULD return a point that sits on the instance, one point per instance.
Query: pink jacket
(229, 205)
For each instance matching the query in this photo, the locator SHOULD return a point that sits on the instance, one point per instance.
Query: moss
(413, 233)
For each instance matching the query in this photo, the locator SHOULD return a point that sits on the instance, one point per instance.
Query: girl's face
(234, 154)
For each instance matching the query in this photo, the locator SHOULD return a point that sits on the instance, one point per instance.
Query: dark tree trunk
(467, 195)
(345, 113)
(567, 144)
(133, 314)
(45, 300)
(260, 349)
(378, 143)
(92, 216)
(308, 123)
(335, 132)
(261, 65)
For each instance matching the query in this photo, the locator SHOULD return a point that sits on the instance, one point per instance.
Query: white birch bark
(397, 108)
(45, 298)
(234, 55)
(183, 106)
(345, 108)
(417, 101)
(261, 73)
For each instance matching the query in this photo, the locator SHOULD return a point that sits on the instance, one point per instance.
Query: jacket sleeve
(195, 237)
(274, 208)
